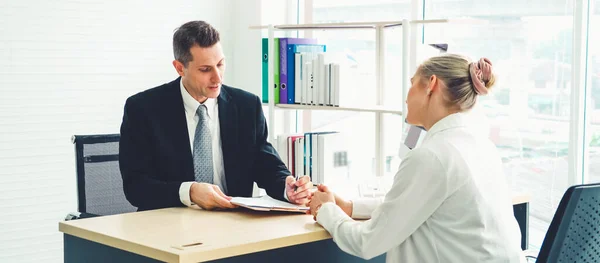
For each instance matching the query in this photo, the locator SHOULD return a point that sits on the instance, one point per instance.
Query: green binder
(276, 67)
(265, 69)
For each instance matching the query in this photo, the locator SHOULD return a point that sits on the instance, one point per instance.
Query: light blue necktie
(203, 159)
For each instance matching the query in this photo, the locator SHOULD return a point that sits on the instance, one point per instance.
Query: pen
(296, 187)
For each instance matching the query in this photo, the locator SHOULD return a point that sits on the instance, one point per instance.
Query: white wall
(66, 67)
(244, 67)
(244, 64)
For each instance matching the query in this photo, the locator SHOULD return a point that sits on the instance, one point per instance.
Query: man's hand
(209, 197)
(298, 192)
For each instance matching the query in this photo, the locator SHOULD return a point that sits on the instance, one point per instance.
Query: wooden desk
(226, 236)
(191, 235)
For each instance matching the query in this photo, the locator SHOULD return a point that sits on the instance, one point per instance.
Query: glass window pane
(355, 51)
(528, 109)
(360, 10)
(593, 87)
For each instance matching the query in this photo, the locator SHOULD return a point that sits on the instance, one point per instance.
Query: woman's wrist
(346, 206)
(317, 211)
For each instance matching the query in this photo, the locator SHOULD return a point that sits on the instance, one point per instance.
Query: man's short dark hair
(192, 33)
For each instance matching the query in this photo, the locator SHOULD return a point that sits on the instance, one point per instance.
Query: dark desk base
(82, 250)
(522, 215)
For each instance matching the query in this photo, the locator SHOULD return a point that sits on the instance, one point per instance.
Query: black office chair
(99, 182)
(574, 234)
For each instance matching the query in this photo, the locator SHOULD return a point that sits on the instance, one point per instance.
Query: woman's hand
(325, 195)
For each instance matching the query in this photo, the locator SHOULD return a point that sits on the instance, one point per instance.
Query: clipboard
(266, 203)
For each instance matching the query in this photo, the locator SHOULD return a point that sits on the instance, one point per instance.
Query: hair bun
(481, 76)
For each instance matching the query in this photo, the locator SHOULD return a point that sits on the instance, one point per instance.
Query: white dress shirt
(449, 202)
(191, 105)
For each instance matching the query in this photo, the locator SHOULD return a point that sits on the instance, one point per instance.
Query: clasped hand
(325, 195)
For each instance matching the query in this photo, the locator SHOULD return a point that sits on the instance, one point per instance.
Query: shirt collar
(455, 120)
(191, 105)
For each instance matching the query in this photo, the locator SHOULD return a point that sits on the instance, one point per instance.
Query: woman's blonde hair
(463, 79)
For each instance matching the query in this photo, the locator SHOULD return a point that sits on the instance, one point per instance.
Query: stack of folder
(301, 75)
(320, 155)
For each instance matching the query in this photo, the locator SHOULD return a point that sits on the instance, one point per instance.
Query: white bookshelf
(378, 109)
(354, 25)
(374, 109)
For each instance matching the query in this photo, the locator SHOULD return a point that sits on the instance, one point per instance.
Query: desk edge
(521, 199)
(118, 243)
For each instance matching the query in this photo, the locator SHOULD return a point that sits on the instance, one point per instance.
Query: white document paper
(266, 203)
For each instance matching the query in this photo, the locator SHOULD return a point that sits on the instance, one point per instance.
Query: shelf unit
(375, 109)
(378, 109)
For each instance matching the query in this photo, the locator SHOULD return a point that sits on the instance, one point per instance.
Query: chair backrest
(574, 234)
(99, 182)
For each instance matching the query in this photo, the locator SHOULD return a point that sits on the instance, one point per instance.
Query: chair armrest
(78, 215)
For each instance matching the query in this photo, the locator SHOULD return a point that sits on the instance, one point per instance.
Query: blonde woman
(449, 201)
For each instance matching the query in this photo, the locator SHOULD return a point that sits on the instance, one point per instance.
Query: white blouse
(449, 202)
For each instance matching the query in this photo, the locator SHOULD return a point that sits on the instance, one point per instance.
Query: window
(593, 88)
(355, 51)
(360, 10)
(528, 108)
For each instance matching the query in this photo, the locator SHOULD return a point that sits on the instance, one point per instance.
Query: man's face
(203, 75)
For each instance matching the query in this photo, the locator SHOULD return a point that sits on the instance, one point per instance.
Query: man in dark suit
(195, 141)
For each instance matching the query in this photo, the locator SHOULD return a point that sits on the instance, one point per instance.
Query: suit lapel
(228, 118)
(179, 136)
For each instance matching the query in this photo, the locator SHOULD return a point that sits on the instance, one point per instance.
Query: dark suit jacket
(155, 153)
